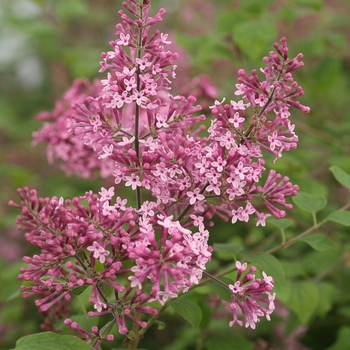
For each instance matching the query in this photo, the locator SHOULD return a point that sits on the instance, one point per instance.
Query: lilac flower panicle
(251, 297)
(73, 236)
(134, 130)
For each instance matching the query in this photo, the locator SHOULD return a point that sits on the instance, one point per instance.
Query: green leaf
(189, 310)
(281, 224)
(232, 248)
(254, 36)
(228, 342)
(343, 340)
(230, 18)
(327, 292)
(218, 289)
(303, 300)
(79, 290)
(51, 341)
(283, 291)
(341, 217)
(293, 268)
(270, 265)
(317, 241)
(312, 203)
(316, 262)
(344, 311)
(341, 176)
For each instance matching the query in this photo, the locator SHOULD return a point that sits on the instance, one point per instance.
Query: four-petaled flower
(99, 305)
(195, 196)
(106, 195)
(124, 39)
(133, 181)
(99, 252)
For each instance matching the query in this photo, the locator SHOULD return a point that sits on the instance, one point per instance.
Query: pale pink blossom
(99, 252)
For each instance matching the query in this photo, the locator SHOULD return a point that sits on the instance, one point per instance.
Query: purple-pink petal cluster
(130, 127)
(251, 297)
(76, 157)
(73, 237)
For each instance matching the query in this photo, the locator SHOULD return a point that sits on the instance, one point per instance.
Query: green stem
(209, 276)
(97, 285)
(312, 228)
(283, 236)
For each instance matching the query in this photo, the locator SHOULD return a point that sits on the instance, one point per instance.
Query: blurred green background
(45, 45)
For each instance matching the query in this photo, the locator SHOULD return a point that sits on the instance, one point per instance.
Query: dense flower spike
(73, 237)
(132, 128)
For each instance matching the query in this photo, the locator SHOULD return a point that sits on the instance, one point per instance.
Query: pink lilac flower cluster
(75, 238)
(75, 156)
(153, 137)
(153, 144)
(248, 296)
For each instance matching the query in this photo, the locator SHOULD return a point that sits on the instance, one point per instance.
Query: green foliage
(343, 340)
(79, 290)
(281, 224)
(232, 248)
(340, 217)
(51, 341)
(189, 310)
(310, 202)
(317, 241)
(252, 37)
(327, 294)
(341, 176)
(220, 290)
(229, 342)
(303, 300)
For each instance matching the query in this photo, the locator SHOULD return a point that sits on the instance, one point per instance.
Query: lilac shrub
(130, 127)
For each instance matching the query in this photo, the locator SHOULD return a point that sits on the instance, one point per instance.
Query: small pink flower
(164, 38)
(133, 181)
(236, 120)
(161, 121)
(240, 105)
(236, 287)
(99, 252)
(99, 305)
(195, 196)
(106, 195)
(108, 151)
(143, 63)
(124, 39)
(126, 141)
